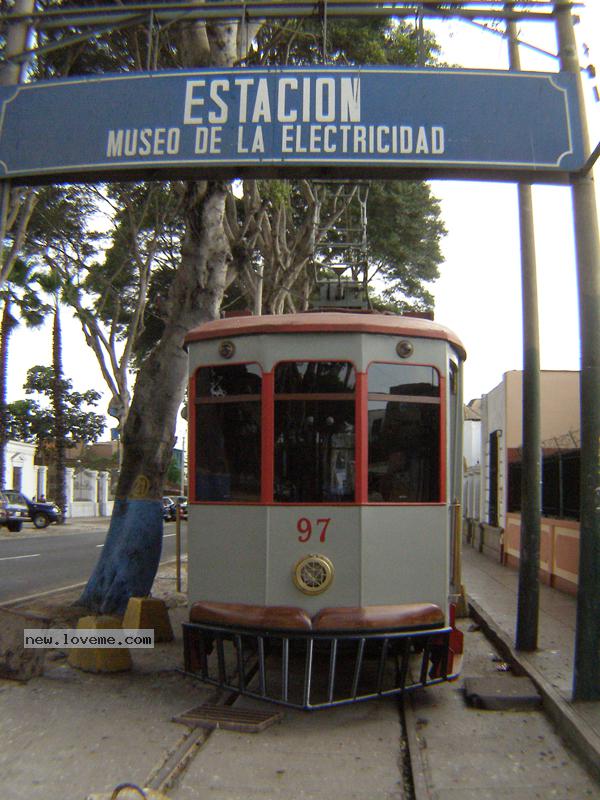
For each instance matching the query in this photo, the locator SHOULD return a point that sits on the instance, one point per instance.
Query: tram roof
(325, 322)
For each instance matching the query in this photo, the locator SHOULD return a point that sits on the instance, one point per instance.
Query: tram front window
(314, 432)
(228, 433)
(404, 434)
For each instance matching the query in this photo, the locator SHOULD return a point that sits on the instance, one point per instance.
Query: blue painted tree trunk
(129, 559)
(131, 553)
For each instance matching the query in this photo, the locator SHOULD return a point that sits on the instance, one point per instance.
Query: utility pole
(10, 73)
(586, 680)
(531, 479)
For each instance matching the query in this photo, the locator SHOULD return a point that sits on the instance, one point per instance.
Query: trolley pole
(586, 672)
(531, 486)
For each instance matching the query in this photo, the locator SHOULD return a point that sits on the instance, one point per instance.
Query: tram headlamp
(313, 574)
(405, 348)
(226, 349)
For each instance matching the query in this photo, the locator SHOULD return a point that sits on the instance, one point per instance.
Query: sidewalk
(72, 525)
(492, 591)
(70, 735)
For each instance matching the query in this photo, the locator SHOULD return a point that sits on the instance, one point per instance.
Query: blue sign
(165, 122)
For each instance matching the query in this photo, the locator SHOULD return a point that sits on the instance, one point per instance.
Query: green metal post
(531, 489)
(586, 672)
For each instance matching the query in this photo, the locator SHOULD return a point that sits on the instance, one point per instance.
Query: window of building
(17, 479)
(494, 479)
(404, 434)
(228, 433)
(314, 432)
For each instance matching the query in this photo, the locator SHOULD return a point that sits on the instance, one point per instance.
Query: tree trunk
(131, 554)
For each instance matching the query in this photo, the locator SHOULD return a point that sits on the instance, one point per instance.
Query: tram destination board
(250, 121)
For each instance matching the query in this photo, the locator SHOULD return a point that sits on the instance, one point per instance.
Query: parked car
(3, 509)
(169, 509)
(18, 513)
(22, 509)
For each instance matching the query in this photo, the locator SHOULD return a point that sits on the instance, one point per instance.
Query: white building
(87, 490)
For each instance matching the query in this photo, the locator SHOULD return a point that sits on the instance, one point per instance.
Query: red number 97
(304, 528)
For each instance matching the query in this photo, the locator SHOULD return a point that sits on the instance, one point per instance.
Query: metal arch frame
(109, 18)
(586, 685)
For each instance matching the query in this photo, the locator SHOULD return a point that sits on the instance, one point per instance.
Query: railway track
(416, 748)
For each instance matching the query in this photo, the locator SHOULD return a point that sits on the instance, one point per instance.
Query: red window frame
(442, 400)
(361, 400)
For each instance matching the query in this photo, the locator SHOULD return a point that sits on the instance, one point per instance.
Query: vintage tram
(325, 465)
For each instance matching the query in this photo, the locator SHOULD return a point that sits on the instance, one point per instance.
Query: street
(59, 557)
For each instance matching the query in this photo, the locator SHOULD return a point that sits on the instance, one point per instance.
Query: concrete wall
(472, 442)
(559, 551)
(559, 404)
(493, 418)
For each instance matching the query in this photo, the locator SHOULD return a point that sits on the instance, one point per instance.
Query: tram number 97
(305, 528)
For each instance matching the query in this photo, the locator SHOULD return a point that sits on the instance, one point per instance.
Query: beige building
(501, 431)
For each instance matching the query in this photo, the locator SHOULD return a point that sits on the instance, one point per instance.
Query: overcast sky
(479, 294)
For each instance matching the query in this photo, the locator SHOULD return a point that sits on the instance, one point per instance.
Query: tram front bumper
(341, 655)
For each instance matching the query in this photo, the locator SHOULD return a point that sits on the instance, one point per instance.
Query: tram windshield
(228, 433)
(404, 434)
(310, 423)
(314, 432)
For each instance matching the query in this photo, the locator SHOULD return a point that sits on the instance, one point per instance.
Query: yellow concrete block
(149, 612)
(100, 659)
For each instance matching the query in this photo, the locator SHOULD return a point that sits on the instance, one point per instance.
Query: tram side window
(314, 432)
(404, 434)
(228, 433)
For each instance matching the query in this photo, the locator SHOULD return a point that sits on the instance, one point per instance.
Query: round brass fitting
(313, 574)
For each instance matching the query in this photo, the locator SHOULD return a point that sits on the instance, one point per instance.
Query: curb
(18, 600)
(576, 731)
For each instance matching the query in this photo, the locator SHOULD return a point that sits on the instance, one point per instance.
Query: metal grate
(310, 670)
(233, 719)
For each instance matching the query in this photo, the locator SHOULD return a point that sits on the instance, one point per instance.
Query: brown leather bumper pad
(413, 615)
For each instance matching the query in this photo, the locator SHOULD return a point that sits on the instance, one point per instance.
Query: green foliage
(363, 40)
(31, 421)
(20, 291)
(404, 232)
(276, 192)
(173, 476)
(27, 422)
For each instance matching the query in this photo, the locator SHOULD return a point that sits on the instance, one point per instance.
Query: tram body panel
(227, 553)
(405, 554)
(332, 532)
(358, 349)
(378, 554)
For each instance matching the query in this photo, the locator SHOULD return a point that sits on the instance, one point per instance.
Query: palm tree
(58, 405)
(18, 294)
